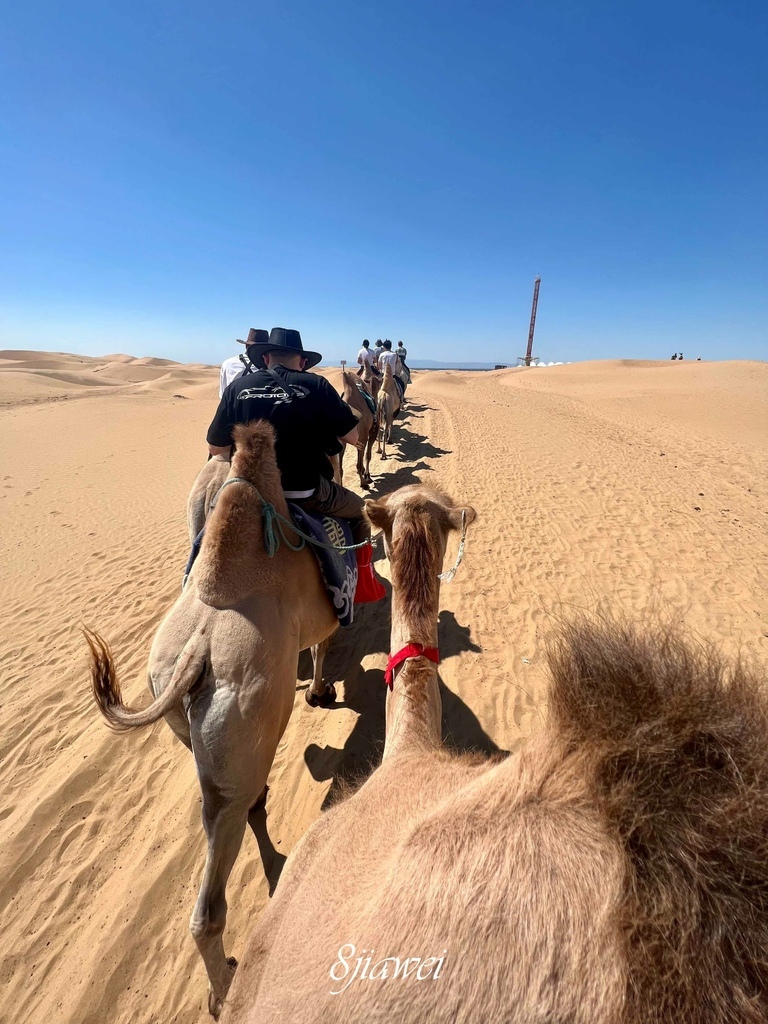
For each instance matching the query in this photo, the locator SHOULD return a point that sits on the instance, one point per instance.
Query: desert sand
(638, 487)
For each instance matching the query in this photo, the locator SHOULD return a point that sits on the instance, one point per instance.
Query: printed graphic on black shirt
(308, 416)
(272, 393)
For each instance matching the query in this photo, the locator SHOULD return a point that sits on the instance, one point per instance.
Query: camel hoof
(216, 1003)
(321, 700)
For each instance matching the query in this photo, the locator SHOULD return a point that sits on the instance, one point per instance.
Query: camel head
(416, 521)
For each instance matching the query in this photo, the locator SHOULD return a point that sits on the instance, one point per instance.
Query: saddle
(367, 396)
(338, 568)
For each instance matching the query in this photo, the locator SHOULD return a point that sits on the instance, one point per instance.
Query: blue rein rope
(274, 524)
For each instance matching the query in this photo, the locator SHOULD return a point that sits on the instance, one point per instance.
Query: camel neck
(414, 708)
(417, 629)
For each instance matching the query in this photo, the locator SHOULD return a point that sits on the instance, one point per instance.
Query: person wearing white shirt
(389, 358)
(365, 357)
(236, 366)
(231, 369)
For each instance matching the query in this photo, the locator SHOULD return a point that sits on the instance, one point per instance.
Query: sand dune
(638, 486)
(29, 377)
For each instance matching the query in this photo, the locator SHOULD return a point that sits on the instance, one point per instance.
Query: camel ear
(378, 515)
(455, 516)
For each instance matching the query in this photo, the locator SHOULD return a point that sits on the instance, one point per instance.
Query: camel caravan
(613, 870)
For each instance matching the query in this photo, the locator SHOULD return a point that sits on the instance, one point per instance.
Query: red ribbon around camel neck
(409, 651)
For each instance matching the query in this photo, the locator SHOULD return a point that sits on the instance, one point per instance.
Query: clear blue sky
(174, 173)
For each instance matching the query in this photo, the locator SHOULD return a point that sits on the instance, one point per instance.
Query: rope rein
(447, 577)
(275, 524)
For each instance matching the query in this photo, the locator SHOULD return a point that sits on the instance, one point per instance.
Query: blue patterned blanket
(338, 568)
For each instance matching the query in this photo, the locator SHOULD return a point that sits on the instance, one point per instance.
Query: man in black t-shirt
(309, 419)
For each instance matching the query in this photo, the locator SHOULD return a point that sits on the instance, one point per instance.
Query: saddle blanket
(338, 568)
(367, 396)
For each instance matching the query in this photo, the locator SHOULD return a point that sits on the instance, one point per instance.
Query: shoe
(369, 588)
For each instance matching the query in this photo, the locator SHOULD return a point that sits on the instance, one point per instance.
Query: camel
(222, 670)
(387, 404)
(615, 871)
(367, 427)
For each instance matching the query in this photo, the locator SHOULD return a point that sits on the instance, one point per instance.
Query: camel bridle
(404, 654)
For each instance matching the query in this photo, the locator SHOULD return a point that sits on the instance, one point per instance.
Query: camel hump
(233, 561)
(254, 449)
(676, 746)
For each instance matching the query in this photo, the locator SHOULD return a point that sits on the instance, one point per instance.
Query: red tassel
(369, 588)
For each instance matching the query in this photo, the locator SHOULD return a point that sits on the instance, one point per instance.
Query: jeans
(334, 500)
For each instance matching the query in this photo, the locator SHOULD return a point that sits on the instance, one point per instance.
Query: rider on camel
(390, 358)
(365, 358)
(237, 366)
(401, 352)
(309, 419)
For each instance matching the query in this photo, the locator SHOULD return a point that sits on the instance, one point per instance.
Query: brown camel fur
(204, 490)
(613, 872)
(387, 404)
(366, 427)
(371, 381)
(222, 670)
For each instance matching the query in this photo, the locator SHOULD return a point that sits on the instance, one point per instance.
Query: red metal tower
(536, 284)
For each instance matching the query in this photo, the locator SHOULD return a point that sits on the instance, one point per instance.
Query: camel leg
(361, 467)
(224, 826)
(272, 860)
(232, 777)
(319, 694)
(368, 451)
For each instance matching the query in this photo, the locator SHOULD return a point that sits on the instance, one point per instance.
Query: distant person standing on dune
(236, 366)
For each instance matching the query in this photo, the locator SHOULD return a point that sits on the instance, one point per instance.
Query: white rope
(448, 576)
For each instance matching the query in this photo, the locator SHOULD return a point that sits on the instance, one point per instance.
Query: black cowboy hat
(283, 340)
(255, 337)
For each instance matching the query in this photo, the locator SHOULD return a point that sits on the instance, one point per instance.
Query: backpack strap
(288, 395)
(249, 367)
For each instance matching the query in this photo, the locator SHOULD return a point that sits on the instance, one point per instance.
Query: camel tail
(677, 741)
(106, 687)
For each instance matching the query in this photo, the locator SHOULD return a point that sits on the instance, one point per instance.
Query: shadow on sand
(365, 693)
(364, 689)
